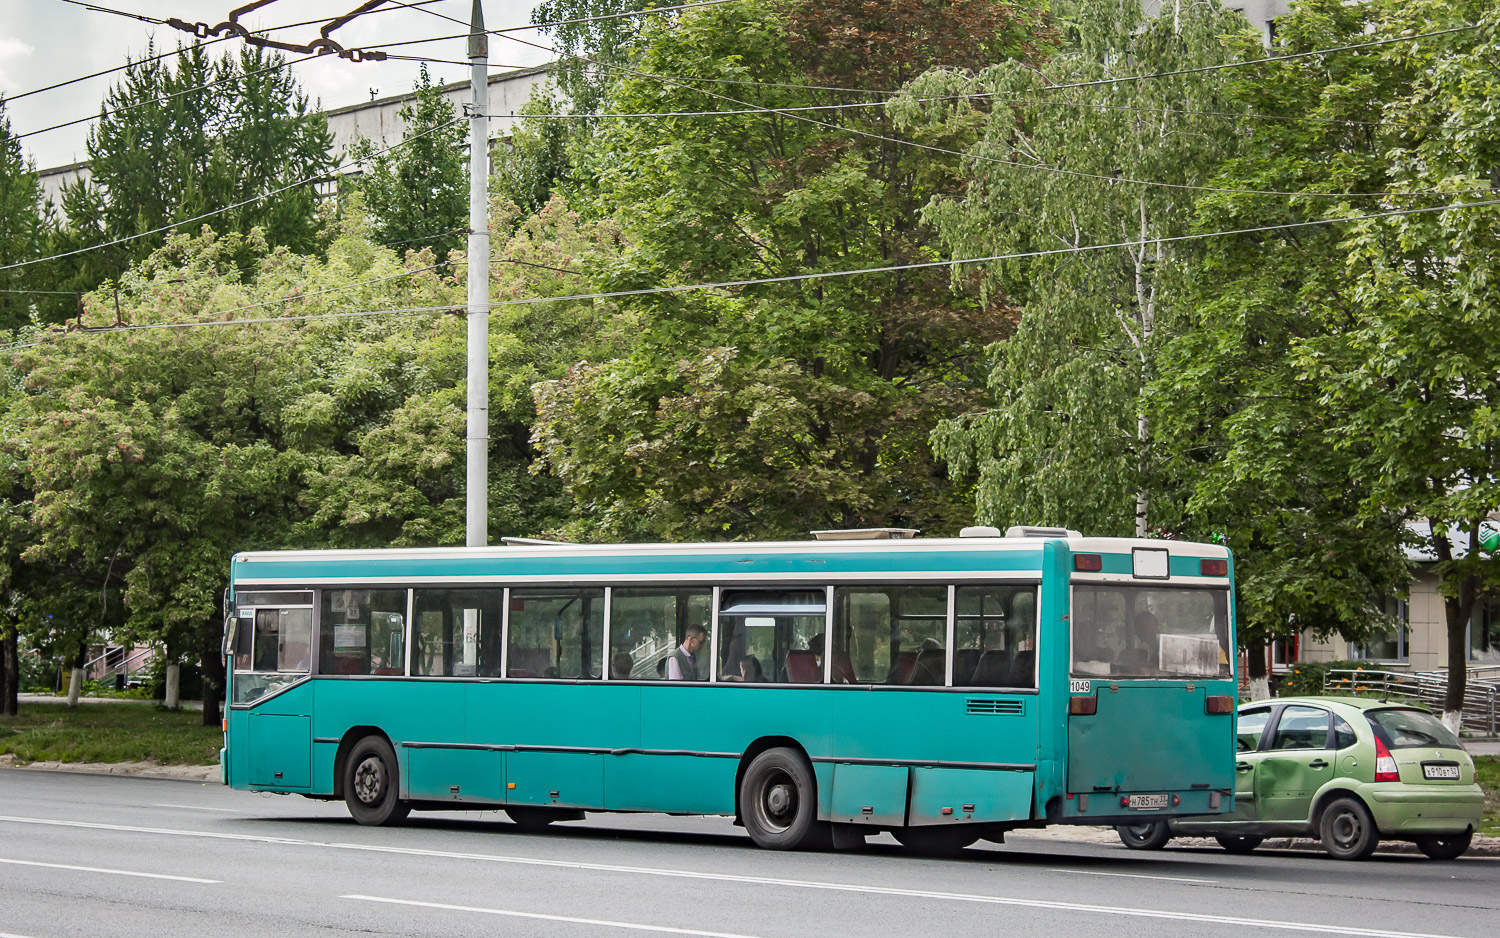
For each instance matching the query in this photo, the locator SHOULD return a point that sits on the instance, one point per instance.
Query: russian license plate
(1146, 802)
(1439, 771)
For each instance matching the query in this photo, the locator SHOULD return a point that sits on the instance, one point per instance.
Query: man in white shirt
(682, 664)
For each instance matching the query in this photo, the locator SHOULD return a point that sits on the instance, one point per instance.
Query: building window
(1392, 645)
(1484, 632)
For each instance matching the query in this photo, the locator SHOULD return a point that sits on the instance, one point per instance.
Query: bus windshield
(1123, 630)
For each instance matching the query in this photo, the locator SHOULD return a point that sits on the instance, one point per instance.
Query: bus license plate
(1146, 802)
(1440, 771)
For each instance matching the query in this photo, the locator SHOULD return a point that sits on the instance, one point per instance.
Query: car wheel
(1238, 844)
(935, 841)
(779, 801)
(1445, 847)
(371, 784)
(1152, 835)
(1348, 831)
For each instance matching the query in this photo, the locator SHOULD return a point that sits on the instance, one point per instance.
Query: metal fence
(1481, 713)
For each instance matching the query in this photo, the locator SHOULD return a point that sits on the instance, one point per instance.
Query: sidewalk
(24, 699)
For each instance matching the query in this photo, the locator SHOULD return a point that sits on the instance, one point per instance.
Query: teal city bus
(944, 690)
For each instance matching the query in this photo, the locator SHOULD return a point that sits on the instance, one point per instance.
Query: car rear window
(1410, 729)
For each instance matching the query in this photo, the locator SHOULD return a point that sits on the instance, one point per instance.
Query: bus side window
(890, 635)
(362, 632)
(782, 629)
(646, 625)
(557, 633)
(457, 632)
(995, 636)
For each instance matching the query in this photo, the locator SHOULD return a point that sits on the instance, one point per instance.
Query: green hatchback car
(1347, 770)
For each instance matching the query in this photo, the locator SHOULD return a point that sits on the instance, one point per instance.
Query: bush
(1305, 679)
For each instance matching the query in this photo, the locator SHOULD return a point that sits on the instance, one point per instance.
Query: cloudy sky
(47, 41)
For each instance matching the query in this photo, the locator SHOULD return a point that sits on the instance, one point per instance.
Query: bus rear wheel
(935, 841)
(1150, 835)
(1445, 846)
(371, 786)
(531, 820)
(1239, 843)
(779, 801)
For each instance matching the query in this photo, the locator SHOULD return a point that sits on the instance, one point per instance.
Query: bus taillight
(1218, 704)
(1088, 563)
(1218, 567)
(1083, 706)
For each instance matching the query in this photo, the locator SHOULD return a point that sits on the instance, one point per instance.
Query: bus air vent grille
(996, 706)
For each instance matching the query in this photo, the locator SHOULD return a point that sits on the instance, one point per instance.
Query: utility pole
(477, 487)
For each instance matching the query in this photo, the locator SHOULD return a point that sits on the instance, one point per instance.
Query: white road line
(552, 918)
(751, 880)
(194, 807)
(1169, 879)
(100, 869)
(6, 934)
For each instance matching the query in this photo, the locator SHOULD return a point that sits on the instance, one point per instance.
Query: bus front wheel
(779, 801)
(370, 784)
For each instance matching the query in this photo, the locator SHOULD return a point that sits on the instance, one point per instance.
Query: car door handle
(1317, 764)
(1242, 766)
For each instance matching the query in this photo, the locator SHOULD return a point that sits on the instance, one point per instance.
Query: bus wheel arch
(776, 796)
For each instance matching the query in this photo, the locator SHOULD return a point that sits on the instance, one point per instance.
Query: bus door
(270, 643)
(1147, 663)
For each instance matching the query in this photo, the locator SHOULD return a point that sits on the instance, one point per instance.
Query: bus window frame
(299, 677)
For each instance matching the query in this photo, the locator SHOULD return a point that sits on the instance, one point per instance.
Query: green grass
(1487, 768)
(109, 732)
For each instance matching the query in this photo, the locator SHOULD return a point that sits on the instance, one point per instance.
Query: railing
(1481, 708)
(137, 658)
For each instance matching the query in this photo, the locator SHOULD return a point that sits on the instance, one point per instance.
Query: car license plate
(1440, 771)
(1146, 802)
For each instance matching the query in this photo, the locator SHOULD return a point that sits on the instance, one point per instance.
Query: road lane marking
(1169, 879)
(750, 880)
(634, 926)
(6, 934)
(194, 807)
(100, 869)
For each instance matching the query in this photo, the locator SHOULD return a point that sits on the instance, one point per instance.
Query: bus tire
(1347, 830)
(779, 801)
(1150, 835)
(1445, 846)
(372, 784)
(1239, 843)
(935, 841)
(530, 820)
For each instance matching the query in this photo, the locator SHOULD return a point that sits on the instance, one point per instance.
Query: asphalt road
(98, 855)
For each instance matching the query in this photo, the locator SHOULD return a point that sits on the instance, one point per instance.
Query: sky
(47, 41)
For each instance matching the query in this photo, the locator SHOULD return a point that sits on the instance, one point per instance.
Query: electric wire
(1100, 177)
(227, 208)
(796, 278)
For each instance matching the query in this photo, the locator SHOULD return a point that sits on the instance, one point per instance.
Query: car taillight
(1088, 563)
(1385, 765)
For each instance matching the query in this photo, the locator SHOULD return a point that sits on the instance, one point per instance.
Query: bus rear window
(1149, 632)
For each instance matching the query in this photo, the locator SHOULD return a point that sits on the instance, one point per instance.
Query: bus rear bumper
(1111, 808)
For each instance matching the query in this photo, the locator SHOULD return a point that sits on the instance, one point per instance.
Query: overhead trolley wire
(1110, 179)
(227, 208)
(795, 278)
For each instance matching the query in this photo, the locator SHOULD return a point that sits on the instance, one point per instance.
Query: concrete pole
(477, 478)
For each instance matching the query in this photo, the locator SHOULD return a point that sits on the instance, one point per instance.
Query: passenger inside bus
(682, 664)
(621, 665)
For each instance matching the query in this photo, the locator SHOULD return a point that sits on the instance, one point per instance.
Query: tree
(175, 143)
(418, 194)
(1064, 437)
(1348, 382)
(766, 410)
(23, 229)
